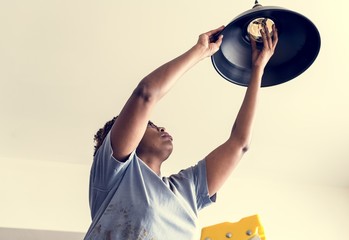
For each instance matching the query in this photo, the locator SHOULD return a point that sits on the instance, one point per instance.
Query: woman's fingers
(275, 36)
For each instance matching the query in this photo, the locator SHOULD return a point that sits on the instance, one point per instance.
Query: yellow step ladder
(248, 228)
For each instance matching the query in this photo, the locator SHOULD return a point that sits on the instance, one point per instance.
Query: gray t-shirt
(130, 201)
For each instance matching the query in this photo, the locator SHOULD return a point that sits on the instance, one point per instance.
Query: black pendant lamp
(298, 45)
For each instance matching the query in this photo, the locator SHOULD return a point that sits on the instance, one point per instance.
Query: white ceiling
(69, 66)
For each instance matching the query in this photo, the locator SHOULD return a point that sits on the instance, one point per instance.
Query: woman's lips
(166, 135)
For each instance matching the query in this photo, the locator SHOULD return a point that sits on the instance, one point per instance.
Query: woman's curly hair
(101, 134)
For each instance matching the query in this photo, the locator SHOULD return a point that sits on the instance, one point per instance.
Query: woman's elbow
(243, 143)
(245, 147)
(145, 92)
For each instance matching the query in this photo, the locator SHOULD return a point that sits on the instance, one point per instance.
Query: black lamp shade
(298, 46)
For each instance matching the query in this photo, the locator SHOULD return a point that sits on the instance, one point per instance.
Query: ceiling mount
(256, 4)
(298, 46)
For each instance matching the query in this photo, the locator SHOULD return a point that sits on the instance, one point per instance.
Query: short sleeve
(203, 198)
(106, 171)
(191, 183)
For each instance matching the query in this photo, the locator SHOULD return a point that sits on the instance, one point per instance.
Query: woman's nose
(161, 129)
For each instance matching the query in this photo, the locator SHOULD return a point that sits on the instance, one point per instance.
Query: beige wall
(54, 196)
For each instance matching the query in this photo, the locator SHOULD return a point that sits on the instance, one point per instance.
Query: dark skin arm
(131, 123)
(222, 161)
